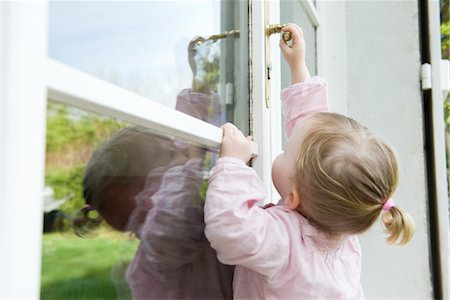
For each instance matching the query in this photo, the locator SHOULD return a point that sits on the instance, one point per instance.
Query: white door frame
(266, 121)
(25, 64)
(440, 171)
(23, 111)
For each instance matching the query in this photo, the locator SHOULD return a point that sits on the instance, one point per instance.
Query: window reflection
(145, 185)
(146, 47)
(134, 195)
(75, 268)
(152, 187)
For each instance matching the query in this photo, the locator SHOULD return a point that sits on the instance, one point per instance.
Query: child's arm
(239, 230)
(306, 95)
(294, 54)
(173, 232)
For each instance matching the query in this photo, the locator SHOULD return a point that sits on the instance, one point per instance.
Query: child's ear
(293, 201)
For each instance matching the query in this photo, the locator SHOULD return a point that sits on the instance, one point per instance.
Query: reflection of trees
(72, 135)
(445, 10)
(445, 43)
(445, 29)
(208, 81)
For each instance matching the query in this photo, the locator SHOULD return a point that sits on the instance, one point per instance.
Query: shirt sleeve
(239, 230)
(173, 233)
(303, 99)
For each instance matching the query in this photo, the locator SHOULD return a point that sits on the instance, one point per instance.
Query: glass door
(304, 14)
(125, 101)
(157, 50)
(127, 166)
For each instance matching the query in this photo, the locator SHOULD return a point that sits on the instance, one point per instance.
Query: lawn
(86, 268)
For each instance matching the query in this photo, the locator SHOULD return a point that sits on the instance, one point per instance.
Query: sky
(139, 45)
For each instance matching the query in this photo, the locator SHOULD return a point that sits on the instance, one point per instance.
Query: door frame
(435, 148)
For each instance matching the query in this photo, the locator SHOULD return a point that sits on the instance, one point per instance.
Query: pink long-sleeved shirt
(278, 253)
(174, 260)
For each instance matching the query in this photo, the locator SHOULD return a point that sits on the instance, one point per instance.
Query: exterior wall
(383, 92)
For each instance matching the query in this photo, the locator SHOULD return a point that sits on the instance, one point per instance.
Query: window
(108, 61)
(154, 66)
(130, 71)
(156, 50)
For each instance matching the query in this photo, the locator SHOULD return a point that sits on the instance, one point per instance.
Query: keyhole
(269, 68)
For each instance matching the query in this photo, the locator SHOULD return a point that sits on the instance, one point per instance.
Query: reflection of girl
(144, 184)
(335, 179)
(151, 186)
(174, 252)
(117, 172)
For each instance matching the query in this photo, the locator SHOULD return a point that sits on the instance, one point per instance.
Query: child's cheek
(277, 173)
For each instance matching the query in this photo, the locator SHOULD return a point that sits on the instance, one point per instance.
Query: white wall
(383, 93)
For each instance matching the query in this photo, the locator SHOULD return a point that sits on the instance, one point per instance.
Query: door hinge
(425, 76)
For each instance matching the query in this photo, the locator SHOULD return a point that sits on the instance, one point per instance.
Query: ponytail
(398, 224)
(83, 223)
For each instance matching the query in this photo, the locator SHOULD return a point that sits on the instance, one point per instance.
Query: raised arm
(306, 95)
(294, 53)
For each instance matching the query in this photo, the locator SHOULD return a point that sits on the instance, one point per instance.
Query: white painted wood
(73, 87)
(440, 171)
(259, 114)
(276, 130)
(425, 76)
(311, 12)
(23, 109)
(445, 76)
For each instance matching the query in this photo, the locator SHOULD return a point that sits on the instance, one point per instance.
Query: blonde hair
(344, 174)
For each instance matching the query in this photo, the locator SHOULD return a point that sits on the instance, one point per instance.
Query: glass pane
(445, 51)
(291, 11)
(160, 50)
(123, 213)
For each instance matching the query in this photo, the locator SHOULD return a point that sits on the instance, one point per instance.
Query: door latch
(286, 36)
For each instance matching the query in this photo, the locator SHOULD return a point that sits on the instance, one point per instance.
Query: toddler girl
(335, 179)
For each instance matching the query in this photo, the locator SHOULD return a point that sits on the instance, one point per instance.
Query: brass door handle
(232, 33)
(286, 36)
(277, 28)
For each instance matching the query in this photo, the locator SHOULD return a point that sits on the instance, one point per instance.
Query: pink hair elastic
(388, 204)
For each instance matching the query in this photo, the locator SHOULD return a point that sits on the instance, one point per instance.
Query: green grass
(86, 268)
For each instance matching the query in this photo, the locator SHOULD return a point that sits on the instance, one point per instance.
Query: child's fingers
(228, 126)
(231, 130)
(293, 28)
(283, 45)
(225, 125)
(228, 129)
(297, 32)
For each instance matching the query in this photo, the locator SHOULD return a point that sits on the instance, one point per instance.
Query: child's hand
(235, 144)
(295, 53)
